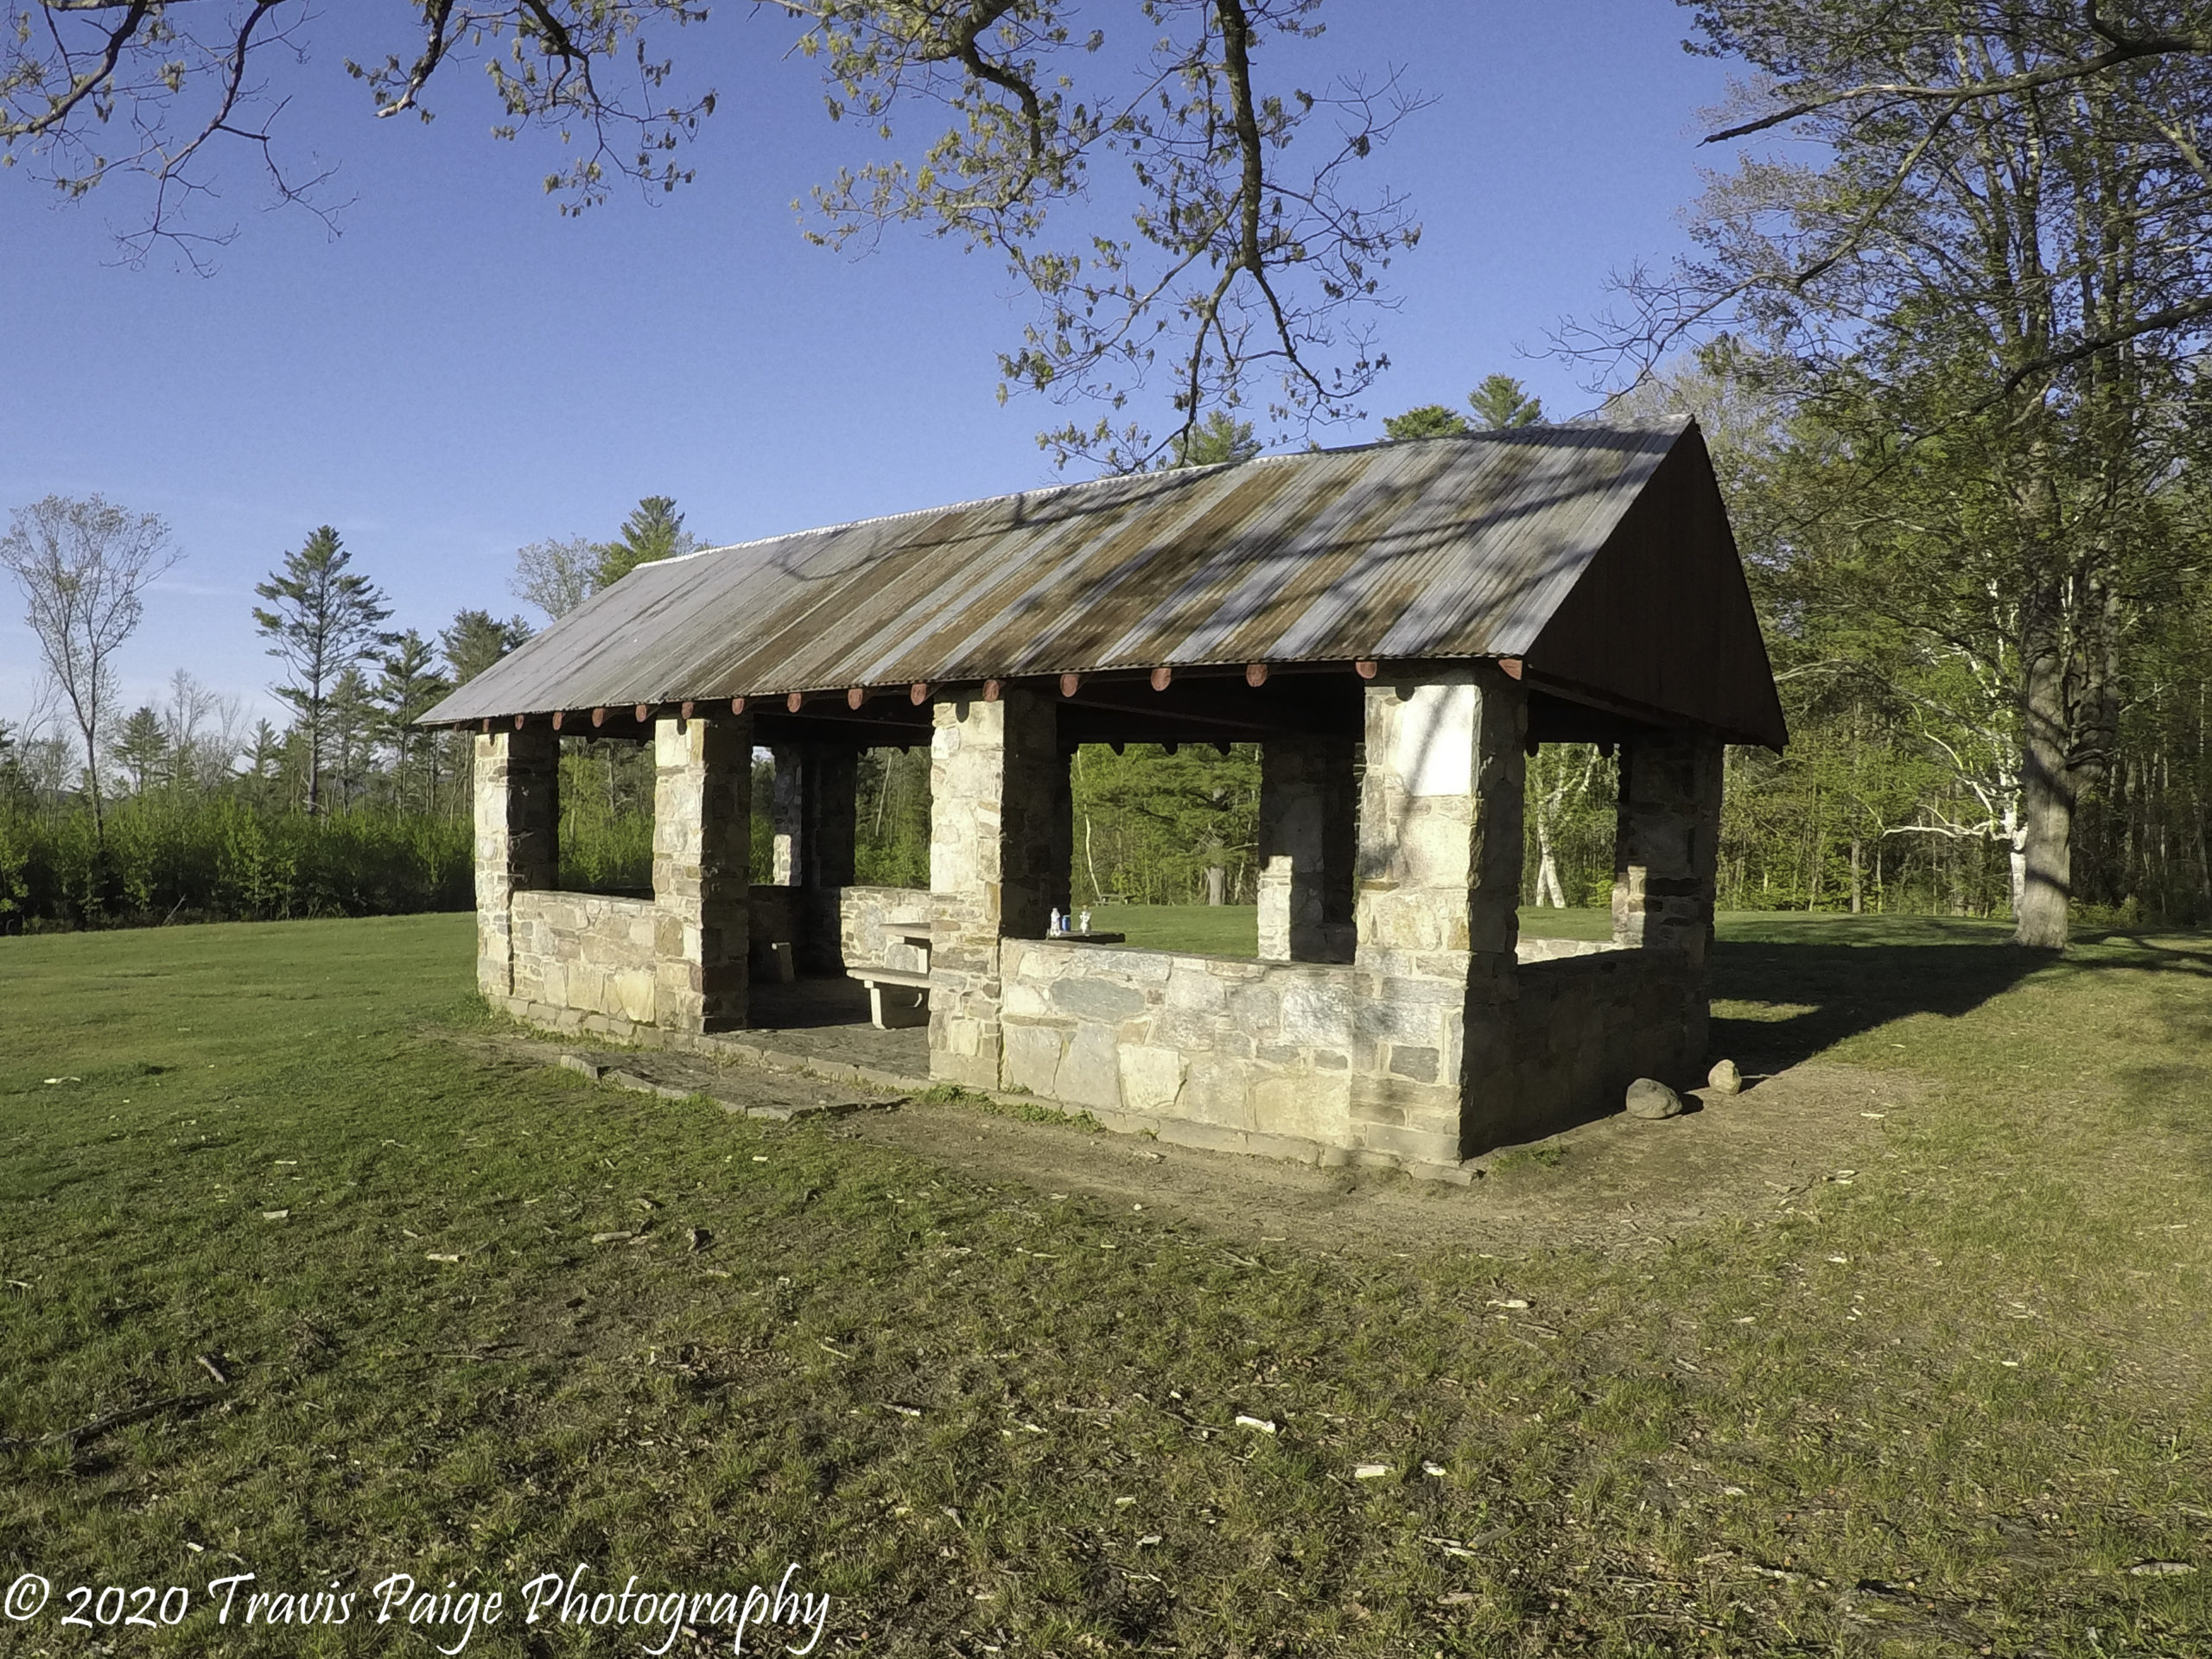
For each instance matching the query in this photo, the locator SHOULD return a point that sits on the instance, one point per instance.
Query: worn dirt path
(1617, 1184)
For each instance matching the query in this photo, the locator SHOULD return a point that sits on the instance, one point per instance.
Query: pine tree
(654, 531)
(141, 748)
(1219, 438)
(352, 721)
(1429, 421)
(409, 686)
(324, 621)
(476, 640)
(1503, 405)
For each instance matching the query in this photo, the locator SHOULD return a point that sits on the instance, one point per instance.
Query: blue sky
(462, 370)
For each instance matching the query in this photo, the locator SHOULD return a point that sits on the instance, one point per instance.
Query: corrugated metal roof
(1448, 548)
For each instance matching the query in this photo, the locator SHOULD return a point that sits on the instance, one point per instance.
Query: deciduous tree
(1992, 272)
(1248, 254)
(83, 566)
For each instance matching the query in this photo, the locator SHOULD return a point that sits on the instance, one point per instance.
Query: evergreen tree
(141, 748)
(1503, 405)
(654, 531)
(1429, 421)
(325, 620)
(408, 687)
(1220, 437)
(353, 722)
(265, 759)
(476, 640)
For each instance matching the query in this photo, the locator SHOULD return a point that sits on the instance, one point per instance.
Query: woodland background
(1892, 797)
(1946, 326)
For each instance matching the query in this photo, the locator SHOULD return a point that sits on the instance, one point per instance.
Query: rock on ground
(1649, 1098)
(1725, 1078)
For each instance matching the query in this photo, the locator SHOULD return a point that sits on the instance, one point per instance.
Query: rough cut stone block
(1091, 1073)
(1097, 998)
(1033, 1058)
(1418, 1064)
(1151, 1078)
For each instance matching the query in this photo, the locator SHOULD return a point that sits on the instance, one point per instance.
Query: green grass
(1234, 930)
(1199, 930)
(1970, 1397)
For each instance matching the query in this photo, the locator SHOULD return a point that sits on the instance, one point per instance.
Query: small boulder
(1725, 1078)
(1649, 1098)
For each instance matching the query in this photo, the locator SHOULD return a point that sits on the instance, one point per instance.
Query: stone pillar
(1308, 819)
(702, 831)
(1000, 852)
(518, 790)
(817, 823)
(788, 827)
(1439, 891)
(1667, 844)
(830, 814)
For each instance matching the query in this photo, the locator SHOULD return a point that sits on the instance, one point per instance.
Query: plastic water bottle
(1059, 923)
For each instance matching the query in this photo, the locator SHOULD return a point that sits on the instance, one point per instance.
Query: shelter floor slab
(828, 1019)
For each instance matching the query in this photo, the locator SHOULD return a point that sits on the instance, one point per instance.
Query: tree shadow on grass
(1826, 979)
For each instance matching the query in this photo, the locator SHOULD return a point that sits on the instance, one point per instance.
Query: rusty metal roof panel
(1444, 548)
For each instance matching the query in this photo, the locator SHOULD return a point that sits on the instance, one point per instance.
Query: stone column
(830, 814)
(1309, 820)
(1667, 844)
(703, 831)
(816, 826)
(517, 790)
(998, 854)
(788, 827)
(1438, 891)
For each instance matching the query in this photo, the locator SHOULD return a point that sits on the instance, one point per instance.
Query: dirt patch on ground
(1620, 1183)
(1617, 1184)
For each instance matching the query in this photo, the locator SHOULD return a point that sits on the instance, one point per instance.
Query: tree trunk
(2043, 861)
(1858, 887)
(315, 763)
(1217, 885)
(1548, 891)
(1547, 887)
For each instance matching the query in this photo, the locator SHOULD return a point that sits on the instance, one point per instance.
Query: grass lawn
(480, 1323)
(1234, 930)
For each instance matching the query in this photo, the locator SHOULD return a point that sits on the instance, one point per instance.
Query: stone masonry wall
(869, 920)
(833, 928)
(1256, 1050)
(586, 952)
(1585, 1026)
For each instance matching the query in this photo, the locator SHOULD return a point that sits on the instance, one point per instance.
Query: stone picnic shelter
(1398, 627)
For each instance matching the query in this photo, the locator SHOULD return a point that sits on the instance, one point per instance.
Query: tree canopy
(1249, 260)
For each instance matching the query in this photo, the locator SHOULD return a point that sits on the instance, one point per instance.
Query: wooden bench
(887, 1013)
